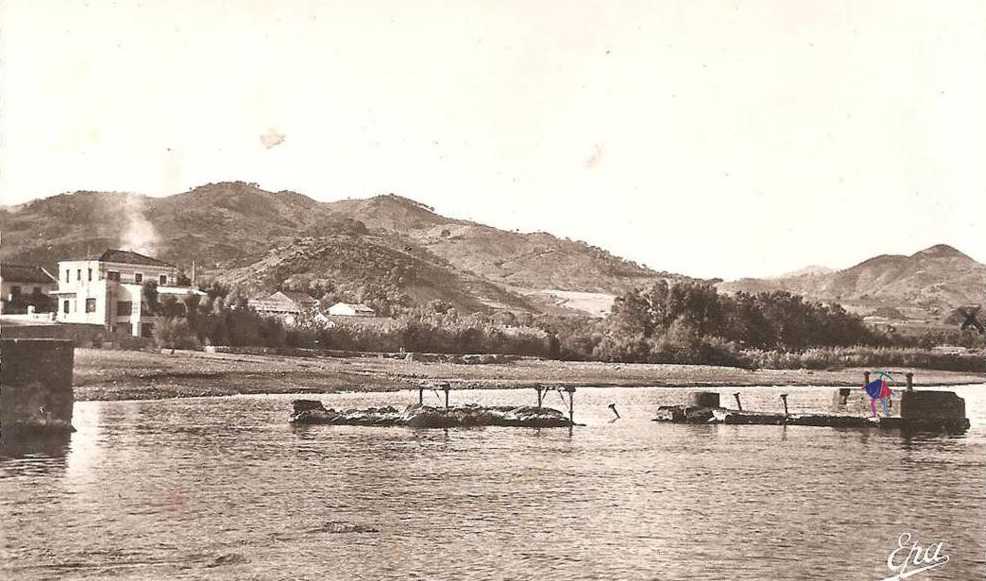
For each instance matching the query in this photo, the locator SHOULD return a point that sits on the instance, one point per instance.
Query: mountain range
(922, 287)
(257, 241)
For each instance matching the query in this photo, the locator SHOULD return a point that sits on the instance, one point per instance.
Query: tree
(149, 295)
(174, 333)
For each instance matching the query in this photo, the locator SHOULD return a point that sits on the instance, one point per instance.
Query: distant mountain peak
(810, 270)
(401, 200)
(941, 251)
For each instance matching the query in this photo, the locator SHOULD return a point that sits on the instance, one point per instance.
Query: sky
(715, 139)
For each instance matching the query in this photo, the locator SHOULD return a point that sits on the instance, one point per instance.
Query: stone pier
(920, 411)
(36, 386)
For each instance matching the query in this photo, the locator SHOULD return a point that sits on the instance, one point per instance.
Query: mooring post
(446, 387)
(739, 405)
(421, 394)
(540, 390)
(784, 399)
(571, 404)
(910, 381)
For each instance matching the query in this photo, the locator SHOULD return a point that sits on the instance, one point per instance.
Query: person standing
(879, 390)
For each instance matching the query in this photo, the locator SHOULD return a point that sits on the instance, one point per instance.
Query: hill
(258, 240)
(924, 286)
(523, 260)
(374, 268)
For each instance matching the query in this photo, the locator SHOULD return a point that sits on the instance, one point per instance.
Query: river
(225, 488)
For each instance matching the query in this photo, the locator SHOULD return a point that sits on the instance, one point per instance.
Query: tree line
(682, 322)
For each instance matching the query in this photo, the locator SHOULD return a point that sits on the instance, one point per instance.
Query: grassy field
(115, 375)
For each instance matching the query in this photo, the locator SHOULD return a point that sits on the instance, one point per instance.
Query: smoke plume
(139, 234)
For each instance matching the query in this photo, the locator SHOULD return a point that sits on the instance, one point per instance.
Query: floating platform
(308, 411)
(687, 414)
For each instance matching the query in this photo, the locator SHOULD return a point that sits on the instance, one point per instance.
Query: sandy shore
(118, 375)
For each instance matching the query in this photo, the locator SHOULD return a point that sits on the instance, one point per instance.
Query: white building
(108, 290)
(351, 310)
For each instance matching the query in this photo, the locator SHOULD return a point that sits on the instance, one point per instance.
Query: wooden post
(421, 394)
(784, 399)
(571, 404)
(446, 387)
(910, 381)
(739, 405)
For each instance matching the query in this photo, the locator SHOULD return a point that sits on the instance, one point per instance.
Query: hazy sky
(708, 138)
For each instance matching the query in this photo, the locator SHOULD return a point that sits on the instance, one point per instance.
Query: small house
(286, 305)
(351, 310)
(23, 286)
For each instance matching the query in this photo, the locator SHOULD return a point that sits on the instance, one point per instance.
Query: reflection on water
(32, 454)
(226, 488)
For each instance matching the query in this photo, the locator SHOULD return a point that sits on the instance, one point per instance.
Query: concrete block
(924, 405)
(36, 385)
(703, 399)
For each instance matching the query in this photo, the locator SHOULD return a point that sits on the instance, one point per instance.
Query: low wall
(80, 334)
(36, 385)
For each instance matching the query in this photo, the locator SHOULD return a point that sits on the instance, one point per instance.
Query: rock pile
(308, 411)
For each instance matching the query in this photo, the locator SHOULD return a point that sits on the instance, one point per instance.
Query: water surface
(226, 488)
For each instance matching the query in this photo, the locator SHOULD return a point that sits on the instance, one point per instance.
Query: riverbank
(102, 375)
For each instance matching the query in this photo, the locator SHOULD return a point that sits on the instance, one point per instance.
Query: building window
(113, 275)
(164, 279)
(78, 274)
(138, 277)
(90, 305)
(90, 275)
(68, 275)
(124, 308)
(65, 306)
